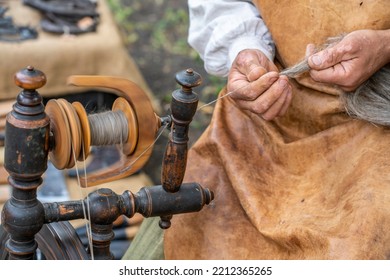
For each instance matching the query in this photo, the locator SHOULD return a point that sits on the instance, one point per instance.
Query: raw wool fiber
(371, 101)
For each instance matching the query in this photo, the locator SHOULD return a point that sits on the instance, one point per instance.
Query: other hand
(351, 61)
(256, 85)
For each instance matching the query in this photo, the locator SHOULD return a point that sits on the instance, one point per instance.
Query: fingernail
(309, 49)
(316, 59)
(282, 83)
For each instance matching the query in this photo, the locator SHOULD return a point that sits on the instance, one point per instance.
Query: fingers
(252, 64)
(333, 74)
(255, 85)
(250, 91)
(342, 51)
(279, 107)
(255, 72)
(333, 66)
(341, 75)
(271, 103)
(349, 62)
(326, 58)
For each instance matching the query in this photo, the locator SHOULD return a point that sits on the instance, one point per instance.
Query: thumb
(255, 72)
(326, 58)
(310, 49)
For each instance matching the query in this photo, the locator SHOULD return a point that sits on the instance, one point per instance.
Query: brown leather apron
(314, 184)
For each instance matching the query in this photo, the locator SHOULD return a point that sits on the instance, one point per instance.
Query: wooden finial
(30, 78)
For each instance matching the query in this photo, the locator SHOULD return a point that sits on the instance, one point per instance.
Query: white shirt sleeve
(220, 29)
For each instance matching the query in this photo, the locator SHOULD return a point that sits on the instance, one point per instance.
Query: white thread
(83, 194)
(223, 96)
(151, 145)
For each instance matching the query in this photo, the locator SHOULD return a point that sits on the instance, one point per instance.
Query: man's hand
(257, 85)
(351, 61)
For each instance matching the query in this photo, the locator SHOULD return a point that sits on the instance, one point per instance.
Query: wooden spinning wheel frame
(64, 135)
(71, 130)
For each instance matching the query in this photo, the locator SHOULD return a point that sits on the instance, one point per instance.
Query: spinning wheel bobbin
(71, 129)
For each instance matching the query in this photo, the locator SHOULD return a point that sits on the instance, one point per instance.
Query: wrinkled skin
(257, 85)
(352, 61)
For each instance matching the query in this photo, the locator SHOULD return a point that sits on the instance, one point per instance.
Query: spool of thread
(108, 128)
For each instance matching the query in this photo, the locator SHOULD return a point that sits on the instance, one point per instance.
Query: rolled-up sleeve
(220, 29)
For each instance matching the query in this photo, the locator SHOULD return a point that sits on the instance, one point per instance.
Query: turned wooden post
(183, 106)
(26, 149)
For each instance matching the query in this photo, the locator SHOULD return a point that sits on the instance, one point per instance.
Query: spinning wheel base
(56, 241)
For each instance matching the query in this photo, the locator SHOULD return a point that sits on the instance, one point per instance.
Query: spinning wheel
(64, 133)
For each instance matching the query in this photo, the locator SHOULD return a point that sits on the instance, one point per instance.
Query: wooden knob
(30, 78)
(188, 78)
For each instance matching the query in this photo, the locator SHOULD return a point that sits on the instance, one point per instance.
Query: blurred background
(155, 33)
